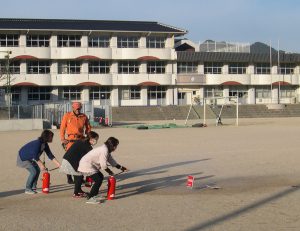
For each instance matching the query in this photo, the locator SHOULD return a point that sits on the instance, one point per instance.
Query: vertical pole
(271, 71)
(237, 110)
(278, 72)
(204, 111)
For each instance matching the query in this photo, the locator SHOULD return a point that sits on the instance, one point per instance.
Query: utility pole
(8, 84)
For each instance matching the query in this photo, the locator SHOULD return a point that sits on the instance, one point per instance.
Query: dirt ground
(254, 165)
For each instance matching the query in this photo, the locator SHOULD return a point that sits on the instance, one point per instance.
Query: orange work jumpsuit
(73, 126)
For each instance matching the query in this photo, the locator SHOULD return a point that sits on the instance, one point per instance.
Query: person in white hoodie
(95, 160)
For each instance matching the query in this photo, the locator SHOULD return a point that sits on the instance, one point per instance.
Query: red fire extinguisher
(46, 182)
(111, 188)
(88, 182)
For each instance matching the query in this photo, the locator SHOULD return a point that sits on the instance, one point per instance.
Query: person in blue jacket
(29, 158)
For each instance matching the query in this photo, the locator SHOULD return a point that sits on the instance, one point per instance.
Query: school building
(135, 63)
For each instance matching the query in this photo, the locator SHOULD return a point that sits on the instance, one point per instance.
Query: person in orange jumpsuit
(74, 126)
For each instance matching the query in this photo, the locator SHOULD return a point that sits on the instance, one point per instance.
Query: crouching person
(29, 158)
(70, 162)
(95, 160)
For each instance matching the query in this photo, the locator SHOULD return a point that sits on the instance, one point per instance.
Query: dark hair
(111, 144)
(92, 135)
(45, 136)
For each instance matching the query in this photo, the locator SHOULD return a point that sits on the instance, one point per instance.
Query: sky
(275, 22)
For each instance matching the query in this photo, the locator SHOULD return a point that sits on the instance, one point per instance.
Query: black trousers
(98, 179)
(77, 184)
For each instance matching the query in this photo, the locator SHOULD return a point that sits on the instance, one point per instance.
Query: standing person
(29, 158)
(74, 126)
(70, 162)
(95, 160)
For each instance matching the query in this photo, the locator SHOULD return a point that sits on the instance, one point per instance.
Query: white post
(204, 111)
(237, 110)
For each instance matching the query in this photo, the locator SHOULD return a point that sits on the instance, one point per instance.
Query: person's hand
(64, 141)
(43, 168)
(124, 169)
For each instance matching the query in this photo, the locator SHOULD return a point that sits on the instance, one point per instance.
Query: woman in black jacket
(72, 157)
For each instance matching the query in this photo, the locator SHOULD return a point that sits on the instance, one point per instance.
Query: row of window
(234, 68)
(96, 93)
(94, 67)
(132, 67)
(12, 40)
(134, 92)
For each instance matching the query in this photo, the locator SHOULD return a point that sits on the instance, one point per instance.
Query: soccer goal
(225, 108)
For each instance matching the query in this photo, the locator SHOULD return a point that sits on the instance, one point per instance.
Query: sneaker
(77, 195)
(83, 194)
(36, 190)
(99, 197)
(29, 191)
(93, 200)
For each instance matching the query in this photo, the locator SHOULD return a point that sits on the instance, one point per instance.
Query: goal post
(222, 103)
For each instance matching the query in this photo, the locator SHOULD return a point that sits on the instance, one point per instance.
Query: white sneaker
(93, 200)
(29, 191)
(37, 190)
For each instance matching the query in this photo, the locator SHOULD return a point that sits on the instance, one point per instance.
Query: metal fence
(53, 112)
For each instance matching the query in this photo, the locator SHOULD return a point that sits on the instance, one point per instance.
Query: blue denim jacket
(32, 151)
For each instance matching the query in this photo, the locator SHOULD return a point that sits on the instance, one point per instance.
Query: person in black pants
(72, 157)
(97, 159)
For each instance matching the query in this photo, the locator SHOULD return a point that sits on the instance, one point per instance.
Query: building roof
(188, 56)
(87, 25)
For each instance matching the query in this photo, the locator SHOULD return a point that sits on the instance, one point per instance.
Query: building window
(262, 68)
(69, 93)
(156, 67)
(9, 40)
(37, 40)
(39, 93)
(68, 40)
(38, 67)
(14, 67)
(128, 67)
(100, 93)
(99, 41)
(238, 91)
(99, 67)
(15, 95)
(286, 69)
(69, 67)
(155, 42)
(237, 68)
(128, 42)
(262, 92)
(156, 92)
(133, 92)
(213, 68)
(211, 92)
(187, 67)
(287, 92)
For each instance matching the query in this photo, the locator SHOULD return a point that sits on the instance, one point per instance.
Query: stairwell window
(128, 42)
(37, 40)
(187, 67)
(213, 92)
(69, 40)
(157, 92)
(262, 68)
(9, 40)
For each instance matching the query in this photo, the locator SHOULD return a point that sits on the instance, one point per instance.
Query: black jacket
(76, 152)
